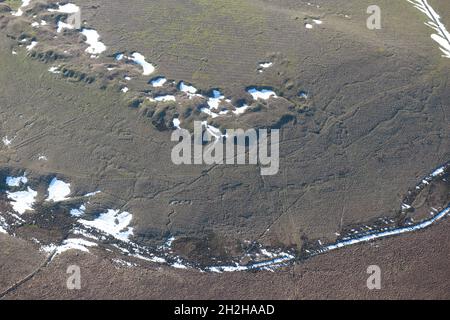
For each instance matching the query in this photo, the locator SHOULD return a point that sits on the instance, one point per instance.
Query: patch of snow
(139, 59)
(7, 142)
(22, 201)
(308, 26)
(18, 13)
(85, 234)
(96, 47)
(78, 212)
(3, 225)
(405, 206)
(58, 190)
(16, 181)
(74, 244)
(215, 100)
(91, 194)
(54, 70)
(25, 3)
(158, 82)
(445, 45)
(178, 265)
(389, 233)
(241, 110)
(176, 123)
(49, 248)
(16, 217)
(66, 8)
(442, 37)
(209, 112)
(165, 98)
(263, 94)
(222, 269)
(69, 244)
(168, 244)
(32, 45)
(187, 88)
(152, 259)
(266, 65)
(278, 260)
(62, 25)
(438, 172)
(114, 223)
(267, 253)
(124, 263)
(303, 94)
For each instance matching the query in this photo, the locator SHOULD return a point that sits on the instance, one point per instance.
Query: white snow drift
(96, 47)
(58, 190)
(442, 37)
(147, 68)
(16, 181)
(263, 94)
(22, 201)
(113, 223)
(158, 82)
(19, 12)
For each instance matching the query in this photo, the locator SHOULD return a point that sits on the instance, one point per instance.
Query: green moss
(14, 4)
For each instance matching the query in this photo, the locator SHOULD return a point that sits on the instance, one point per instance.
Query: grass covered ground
(378, 123)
